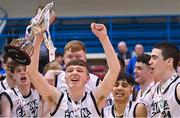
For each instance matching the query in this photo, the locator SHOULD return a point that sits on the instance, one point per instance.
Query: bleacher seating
(145, 30)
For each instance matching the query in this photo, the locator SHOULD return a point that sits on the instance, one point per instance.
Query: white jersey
(84, 108)
(27, 106)
(3, 85)
(109, 112)
(165, 102)
(131, 106)
(90, 85)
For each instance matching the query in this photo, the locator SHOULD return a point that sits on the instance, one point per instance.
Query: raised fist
(99, 30)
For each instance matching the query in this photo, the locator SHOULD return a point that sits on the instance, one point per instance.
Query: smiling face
(142, 71)
(74, 50)
(157, 64)
(122, 90)
(71, 55)
(21, 76)
(77, 74)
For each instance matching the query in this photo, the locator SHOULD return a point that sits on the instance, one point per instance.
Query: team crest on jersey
(84, 112)
(31, 106)
(157, 107)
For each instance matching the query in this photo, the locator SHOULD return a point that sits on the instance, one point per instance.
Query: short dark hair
(57, 54)
(169, 50)
(121, 60)
(145, 58)
(125, 77)
(78, 62)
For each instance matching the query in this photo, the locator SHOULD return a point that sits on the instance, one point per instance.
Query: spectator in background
(124, 52)
(59, 59)
(139, 50)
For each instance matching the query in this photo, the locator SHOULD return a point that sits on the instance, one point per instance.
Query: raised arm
(105, 87)
(49, 93)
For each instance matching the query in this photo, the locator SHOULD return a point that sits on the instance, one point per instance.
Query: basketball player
(164, 98)
(21, 101)
(121, 91)
(9, 66)
(8, 82)
(144, 77)
(77, 102)
(76, 50)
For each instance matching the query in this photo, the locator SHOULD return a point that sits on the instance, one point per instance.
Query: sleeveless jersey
(3, 85)
(26, 107)
(109, 112)
(165, 102)
(91, 84)
(131, 106)
(84, 108)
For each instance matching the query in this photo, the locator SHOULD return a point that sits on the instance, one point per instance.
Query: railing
(3, 16)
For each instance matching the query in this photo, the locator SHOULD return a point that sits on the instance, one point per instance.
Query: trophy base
(17, 54)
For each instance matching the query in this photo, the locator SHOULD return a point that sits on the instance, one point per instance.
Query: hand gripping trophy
(21, 49)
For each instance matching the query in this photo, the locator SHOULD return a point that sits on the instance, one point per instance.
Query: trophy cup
(22, 49)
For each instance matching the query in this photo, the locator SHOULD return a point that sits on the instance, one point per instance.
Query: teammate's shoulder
(93, 76)
(61, 75)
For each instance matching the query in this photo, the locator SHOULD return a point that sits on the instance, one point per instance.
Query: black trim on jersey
(14, 91)
(102, 113)
(176, 97)
(112, 111)
(170, 84)
(95, 104)
(3, 85)
(84, 97)
(158, 89)
(134, 94)
(130, 104)
(148, 91)
(134, 110)
(69, 99)
(56, 80)
(28, 94)
(97, 82)
(9, 98)
(59, 102)
(76, 102)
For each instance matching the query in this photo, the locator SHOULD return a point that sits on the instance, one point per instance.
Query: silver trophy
(21, 49)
